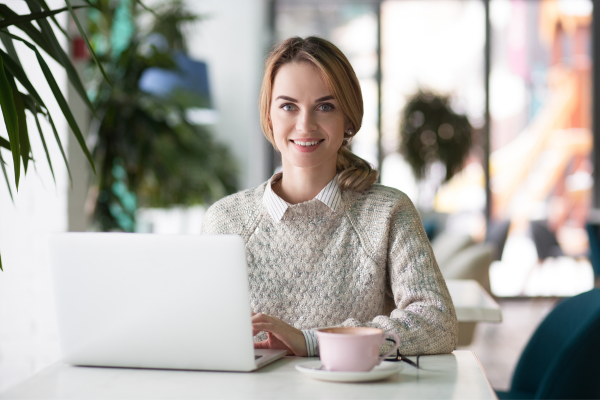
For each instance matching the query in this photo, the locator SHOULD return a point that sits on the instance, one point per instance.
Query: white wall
(233, 40)
(28, 333)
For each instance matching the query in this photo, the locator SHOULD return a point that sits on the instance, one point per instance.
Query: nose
(306, 122)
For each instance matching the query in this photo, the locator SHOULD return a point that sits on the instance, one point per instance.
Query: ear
(347, 126)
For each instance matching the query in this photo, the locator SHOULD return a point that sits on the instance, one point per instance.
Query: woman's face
(308, 124)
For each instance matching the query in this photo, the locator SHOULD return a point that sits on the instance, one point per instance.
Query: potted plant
(431, 131)
(147, 150)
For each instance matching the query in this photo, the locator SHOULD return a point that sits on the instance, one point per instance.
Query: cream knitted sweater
(367, 264)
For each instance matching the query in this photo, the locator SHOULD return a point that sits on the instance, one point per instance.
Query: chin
(304, 163)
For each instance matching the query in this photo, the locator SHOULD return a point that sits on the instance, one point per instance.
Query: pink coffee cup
(352, 349)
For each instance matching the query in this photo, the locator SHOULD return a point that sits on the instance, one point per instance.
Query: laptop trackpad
(266, 356)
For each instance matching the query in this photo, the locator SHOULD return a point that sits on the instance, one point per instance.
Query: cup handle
(396, 338)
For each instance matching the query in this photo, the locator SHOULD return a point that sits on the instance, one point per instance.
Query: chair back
(447, 244)
(472, 262)
(561, 359)
(497, 233)
(545, 240)
(593, 230)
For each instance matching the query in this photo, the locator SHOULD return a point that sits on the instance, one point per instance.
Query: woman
(325, 244)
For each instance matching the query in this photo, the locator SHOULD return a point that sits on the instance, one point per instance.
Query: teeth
(305, 143)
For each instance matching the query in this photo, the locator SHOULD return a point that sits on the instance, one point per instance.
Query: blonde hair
(354, 172)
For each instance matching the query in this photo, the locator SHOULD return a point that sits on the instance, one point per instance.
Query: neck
(303, 184)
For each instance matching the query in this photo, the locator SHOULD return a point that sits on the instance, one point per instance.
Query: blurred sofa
(460, 257)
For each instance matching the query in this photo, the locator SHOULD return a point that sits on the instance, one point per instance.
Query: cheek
(281, 123)
(336, 127)
(278, 128)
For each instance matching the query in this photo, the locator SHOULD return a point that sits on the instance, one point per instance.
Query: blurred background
(480, 111)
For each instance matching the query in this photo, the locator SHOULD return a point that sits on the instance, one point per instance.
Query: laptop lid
(152, 301)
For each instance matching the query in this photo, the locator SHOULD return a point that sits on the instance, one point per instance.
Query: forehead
(300, 79)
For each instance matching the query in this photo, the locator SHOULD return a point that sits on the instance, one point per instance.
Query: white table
(472, 303)
(451, 376)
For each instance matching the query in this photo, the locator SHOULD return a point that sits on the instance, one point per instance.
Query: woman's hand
(280, 335)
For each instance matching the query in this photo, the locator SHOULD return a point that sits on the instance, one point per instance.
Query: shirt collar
(330, 195)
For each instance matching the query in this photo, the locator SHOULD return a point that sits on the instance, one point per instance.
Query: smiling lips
(306, 145)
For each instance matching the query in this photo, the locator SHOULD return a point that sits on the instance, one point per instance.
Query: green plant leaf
(64, 106)
(10, 119)
(31, 17)
(4, 143)
(29, 29)
(84, 36)
(41, 41)
(39, 128)
(10, 48)
(17, 71)
(6, 176)
(23, 135)
(31, 104)
(62, 151)
(54, 51)
(24, 144)
(1, 269)
(43, 4)
(61, 56)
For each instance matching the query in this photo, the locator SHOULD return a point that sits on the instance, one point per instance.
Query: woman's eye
(288, 107)
(326, 107)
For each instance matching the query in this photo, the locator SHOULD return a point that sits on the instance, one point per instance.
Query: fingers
(280, 334)
(256, 330)
(273, 343)
(286, 335)
(262, 322)
(264, 326)
(269, 324)
(262, 345)
(256, 317)
(261, 317)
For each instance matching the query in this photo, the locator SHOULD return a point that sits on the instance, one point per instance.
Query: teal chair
(562, 358)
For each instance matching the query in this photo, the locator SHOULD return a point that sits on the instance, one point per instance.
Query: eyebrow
(287, 98)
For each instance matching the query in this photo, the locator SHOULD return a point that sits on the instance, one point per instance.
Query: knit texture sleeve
(424, 317)
(235, 214)
(211, 224)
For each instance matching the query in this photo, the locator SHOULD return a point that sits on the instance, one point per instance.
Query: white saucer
(382, 371)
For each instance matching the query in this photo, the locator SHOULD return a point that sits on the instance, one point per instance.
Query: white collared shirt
(330, 195)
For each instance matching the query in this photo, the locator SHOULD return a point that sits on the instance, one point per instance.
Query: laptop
(154, 301)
